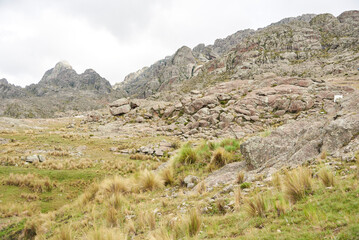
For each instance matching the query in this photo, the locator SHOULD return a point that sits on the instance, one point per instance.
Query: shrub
(297, 184)
(255, 206)
(149, 181)
(326, 177)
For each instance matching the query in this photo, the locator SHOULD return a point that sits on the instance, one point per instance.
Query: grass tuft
(168, 176)
(255, 206)
(297, 184)
(327, 177)
(240, 177)
(187, 155)
(220, 158)
(149, 181)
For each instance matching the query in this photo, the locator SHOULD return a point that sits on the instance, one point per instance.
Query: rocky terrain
(60, 90)
(253, 137)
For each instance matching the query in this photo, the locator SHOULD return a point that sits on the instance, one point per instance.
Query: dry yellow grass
(116, 184)
(238, 197)
(277, 181)
(168, 176)
(327, 177)
(255, 206)
(240, 177)
(297, 184)
(146, 220)
(106, 234)
(31, 181)
(219, 158)
(149, 181)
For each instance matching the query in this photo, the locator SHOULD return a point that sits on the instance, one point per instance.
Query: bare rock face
(160, 75)
(299, 141)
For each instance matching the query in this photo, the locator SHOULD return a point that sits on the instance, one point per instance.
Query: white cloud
(119, 37)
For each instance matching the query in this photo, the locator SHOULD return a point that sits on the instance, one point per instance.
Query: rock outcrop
(61, 89)
(310, 45)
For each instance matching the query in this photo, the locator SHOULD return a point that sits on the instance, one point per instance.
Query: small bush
(149, 181)
(326, 177)
(297, 184)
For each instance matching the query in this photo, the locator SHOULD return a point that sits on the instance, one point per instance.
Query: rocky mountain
(62, 77)
(306, 46)
(61, 89)
(8, 90)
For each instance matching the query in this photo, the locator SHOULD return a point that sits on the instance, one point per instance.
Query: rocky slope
(307, 46)
(61, 89)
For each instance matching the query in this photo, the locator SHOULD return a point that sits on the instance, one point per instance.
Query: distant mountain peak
(3, 81)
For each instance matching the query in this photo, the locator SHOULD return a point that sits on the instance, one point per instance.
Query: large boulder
(120, 107)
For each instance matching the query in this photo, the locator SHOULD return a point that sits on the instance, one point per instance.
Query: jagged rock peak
(53, 73)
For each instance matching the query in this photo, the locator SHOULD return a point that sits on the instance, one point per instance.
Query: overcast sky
(116, 38)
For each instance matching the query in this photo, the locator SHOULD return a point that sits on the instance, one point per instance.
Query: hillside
(60, 90)
(253, 137)
(319, 46)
